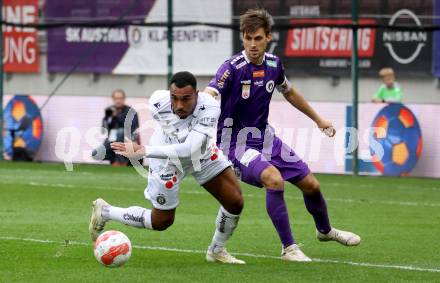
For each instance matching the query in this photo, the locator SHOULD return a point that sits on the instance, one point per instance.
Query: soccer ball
(397, 132)
(112, 248)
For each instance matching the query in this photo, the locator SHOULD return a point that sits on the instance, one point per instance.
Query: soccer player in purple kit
(246, 83)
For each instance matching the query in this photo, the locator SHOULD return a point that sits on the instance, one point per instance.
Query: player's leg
(218, 178)
(255, 170)
(272, 180)
(317, 207)
(135, 216)
(162, 191)
(226, 190)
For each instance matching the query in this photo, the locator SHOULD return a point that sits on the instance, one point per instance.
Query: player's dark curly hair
(183, 79)
(254, 19)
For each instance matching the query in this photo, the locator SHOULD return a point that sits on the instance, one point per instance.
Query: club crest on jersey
(258, 74)
(245, 91)
(270, 86)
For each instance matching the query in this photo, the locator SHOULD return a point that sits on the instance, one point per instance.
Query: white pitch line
(168, 249)
(201, 192)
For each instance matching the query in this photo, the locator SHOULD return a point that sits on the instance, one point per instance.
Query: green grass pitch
(44, 214)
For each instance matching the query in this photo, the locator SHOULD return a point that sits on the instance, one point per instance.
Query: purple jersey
(246, 90)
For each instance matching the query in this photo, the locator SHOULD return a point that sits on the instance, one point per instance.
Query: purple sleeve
(281, 74)
(222, 80)
(282, 84)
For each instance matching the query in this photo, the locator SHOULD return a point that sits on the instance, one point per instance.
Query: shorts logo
(161, 199)
(270, 86)
(258, 74)
(170, 179)
(245, 91)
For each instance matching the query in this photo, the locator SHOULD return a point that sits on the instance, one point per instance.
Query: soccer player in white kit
(187, 120)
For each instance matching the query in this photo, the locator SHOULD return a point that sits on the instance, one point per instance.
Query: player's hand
(129, 149)
(326, 127)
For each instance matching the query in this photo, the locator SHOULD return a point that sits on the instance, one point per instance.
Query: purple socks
(317, 207)
(277, 210)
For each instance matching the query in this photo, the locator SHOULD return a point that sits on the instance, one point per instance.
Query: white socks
(225, 226)
(133, 216)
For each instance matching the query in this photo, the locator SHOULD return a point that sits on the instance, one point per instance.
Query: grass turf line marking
(402, 203)
(168, 249)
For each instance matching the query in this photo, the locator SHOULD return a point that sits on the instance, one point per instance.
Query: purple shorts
(253, 162)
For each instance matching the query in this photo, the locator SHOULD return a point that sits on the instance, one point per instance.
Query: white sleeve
(207, 121)
(194, 144)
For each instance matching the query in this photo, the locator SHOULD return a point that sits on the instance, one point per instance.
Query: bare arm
(298, 101)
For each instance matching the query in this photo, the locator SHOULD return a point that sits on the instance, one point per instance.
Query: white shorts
(164, 179)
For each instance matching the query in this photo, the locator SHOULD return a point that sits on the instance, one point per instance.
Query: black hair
(183, 79)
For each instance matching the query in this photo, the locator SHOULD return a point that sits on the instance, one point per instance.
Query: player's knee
(271, 178)
(312, 187)
(162, 224)
(274, 181)
(235, 205)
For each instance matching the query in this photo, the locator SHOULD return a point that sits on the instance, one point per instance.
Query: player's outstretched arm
(298, 101)
(191, 147)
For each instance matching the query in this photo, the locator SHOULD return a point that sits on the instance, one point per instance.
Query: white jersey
(175, 130)
(165, 173)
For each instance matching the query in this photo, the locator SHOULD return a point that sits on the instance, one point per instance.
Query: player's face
(118, 99)
(183, 100)
(255, 45)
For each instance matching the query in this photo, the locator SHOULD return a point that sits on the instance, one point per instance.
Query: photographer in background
(113, 121)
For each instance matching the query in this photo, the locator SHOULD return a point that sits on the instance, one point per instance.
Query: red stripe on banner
(20, 46)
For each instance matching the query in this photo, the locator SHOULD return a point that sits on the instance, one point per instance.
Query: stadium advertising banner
(76, 119)
(136, 49)
(20, 46)
(327, 50)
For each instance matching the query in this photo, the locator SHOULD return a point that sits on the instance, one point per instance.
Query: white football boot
(294, 253)
(221, 255)
(343, 237)
(97, 222)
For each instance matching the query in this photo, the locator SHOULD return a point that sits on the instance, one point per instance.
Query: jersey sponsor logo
(270, 86)
(259, 83)
(240, 65)
(208, 121)
(245, 91)
(258, 74)
(271, 63)
(221, 81)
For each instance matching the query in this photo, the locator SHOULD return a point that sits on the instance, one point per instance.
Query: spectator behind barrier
(390, 90)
